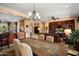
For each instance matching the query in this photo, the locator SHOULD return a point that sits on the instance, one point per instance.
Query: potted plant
(74, 39)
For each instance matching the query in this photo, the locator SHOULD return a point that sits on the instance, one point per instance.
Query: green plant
(74, 37)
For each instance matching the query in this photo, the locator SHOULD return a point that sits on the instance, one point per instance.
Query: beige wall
(63, 19)
(76, 24)
(77, 28)
(42, 27)
(27, 29)
(47, 25)
(27, 23)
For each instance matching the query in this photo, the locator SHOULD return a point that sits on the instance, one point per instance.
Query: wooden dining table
(44, 48)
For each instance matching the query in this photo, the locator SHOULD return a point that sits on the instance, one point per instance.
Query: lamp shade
(67, 31)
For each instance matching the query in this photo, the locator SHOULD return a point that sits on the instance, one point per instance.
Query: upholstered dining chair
(50, 38)
(16, 46)
(25, 50)
(4, 39)
(21, 35)
(35, 36)
(41, 36)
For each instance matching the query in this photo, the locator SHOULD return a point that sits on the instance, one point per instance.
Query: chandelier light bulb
(37, 14)
(38, 17)
(30, 13)
(35, 17)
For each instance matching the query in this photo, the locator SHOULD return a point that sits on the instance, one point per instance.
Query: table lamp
(67, 32)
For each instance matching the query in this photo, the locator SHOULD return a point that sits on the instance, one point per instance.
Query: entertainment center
(59, 26)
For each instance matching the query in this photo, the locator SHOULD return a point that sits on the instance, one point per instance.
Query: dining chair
(16, 46)
(35, 36)
(21, 35)
(50, 38)
(25, 50)
(41, 36)
(4, 39)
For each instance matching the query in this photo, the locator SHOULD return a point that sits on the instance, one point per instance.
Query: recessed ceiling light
(66, 6)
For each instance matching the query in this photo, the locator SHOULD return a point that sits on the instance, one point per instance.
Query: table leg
(8, 42)
(1, 44)
(45, 37)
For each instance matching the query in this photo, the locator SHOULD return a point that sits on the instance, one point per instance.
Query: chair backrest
(5, 35)
(50, 38)
(20, 35)
(35, 36)
(16, 46)
(25, 50)
(16, 42)
(0, 36)
(41, 37)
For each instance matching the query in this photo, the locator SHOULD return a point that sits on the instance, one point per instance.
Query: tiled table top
(43, 48)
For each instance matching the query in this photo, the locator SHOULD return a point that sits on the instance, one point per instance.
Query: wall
(27, 27)
(47, 27)
(76, 23)
(42, 26)
(63, 19)
(77, 26)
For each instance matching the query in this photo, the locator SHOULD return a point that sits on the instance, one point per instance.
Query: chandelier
(34, 15)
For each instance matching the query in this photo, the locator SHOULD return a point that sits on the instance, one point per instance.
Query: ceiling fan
(52, 17)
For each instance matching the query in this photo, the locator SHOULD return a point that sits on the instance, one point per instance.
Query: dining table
(44, 48)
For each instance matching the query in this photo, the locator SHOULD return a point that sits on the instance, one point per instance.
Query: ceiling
(46, 10)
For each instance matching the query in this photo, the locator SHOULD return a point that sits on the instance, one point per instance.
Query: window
(3, 27)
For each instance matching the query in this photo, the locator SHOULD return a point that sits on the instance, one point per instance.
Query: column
(8, 26)
(31, 28)
(16, 28)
